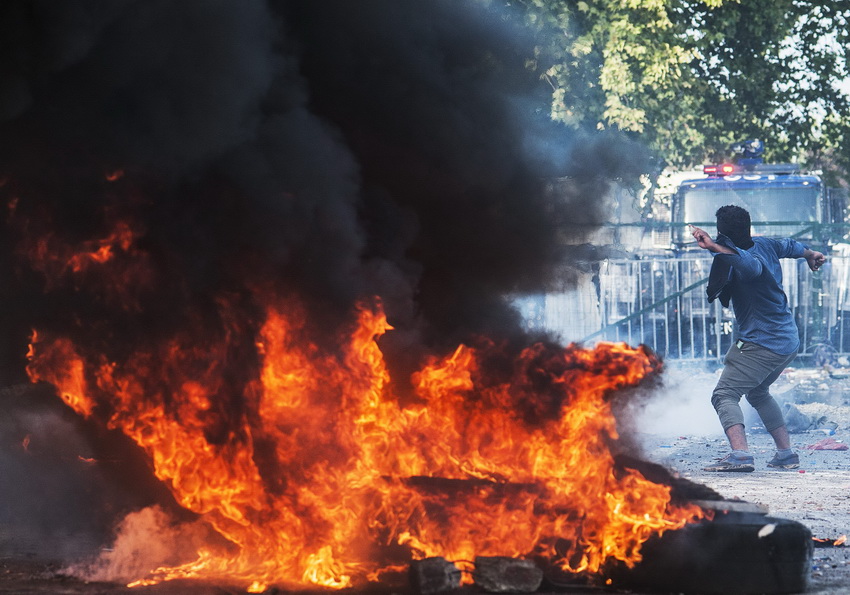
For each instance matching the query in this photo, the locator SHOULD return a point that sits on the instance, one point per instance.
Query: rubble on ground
(816, 402)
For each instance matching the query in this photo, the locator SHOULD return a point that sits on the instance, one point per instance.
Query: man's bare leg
(738, 437)
(781, 437)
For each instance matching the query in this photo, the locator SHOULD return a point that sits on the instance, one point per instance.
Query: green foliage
(690, 77)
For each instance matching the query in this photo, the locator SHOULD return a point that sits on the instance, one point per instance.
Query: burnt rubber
(736, 553)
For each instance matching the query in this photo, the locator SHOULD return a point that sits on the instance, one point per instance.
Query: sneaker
(791, 461)
(732, 463)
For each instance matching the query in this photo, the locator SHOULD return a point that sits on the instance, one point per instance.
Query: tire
(736, 553)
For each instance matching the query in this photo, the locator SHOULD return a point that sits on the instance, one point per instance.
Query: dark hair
(734, 223)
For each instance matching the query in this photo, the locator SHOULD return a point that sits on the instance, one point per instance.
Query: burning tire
(736, 553)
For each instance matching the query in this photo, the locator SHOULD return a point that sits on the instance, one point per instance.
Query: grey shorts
(749, 370)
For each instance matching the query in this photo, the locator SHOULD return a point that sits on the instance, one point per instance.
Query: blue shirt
(758, 300)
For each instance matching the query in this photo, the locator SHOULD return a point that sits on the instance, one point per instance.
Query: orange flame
(101, 251)
(50, 255)
(826, 542)
(59, 364)
(113, 263)
(349, 483)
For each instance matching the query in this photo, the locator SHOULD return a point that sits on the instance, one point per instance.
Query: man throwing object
(746, 271)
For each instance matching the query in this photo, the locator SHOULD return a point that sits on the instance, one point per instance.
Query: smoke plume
(166, 163)
(334, 150)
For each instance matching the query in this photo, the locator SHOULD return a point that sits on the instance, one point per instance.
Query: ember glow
(350, 484)
(841, 541)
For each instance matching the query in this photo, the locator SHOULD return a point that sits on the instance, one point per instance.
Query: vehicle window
(764, 204)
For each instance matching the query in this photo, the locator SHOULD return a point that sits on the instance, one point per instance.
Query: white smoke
(681, 407)
(145, 540)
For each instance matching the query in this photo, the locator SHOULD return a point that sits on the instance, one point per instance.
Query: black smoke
(334, 150)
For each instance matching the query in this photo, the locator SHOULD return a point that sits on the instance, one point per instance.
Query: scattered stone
(434, 575)
(795, 420)
(496, 574)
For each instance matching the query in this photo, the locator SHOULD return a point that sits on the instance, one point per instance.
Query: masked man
(746, 271)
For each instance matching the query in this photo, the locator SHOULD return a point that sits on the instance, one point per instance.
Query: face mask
(740, 239)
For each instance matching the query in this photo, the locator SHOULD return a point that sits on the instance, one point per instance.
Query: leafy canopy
(691, 77)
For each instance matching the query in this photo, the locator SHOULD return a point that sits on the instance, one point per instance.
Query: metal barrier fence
(662, 303)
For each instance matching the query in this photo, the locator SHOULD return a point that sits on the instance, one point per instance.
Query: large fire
(347, 456)
(328, 479)
(198, 195)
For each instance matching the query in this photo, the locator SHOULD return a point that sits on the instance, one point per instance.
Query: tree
(691, 77)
